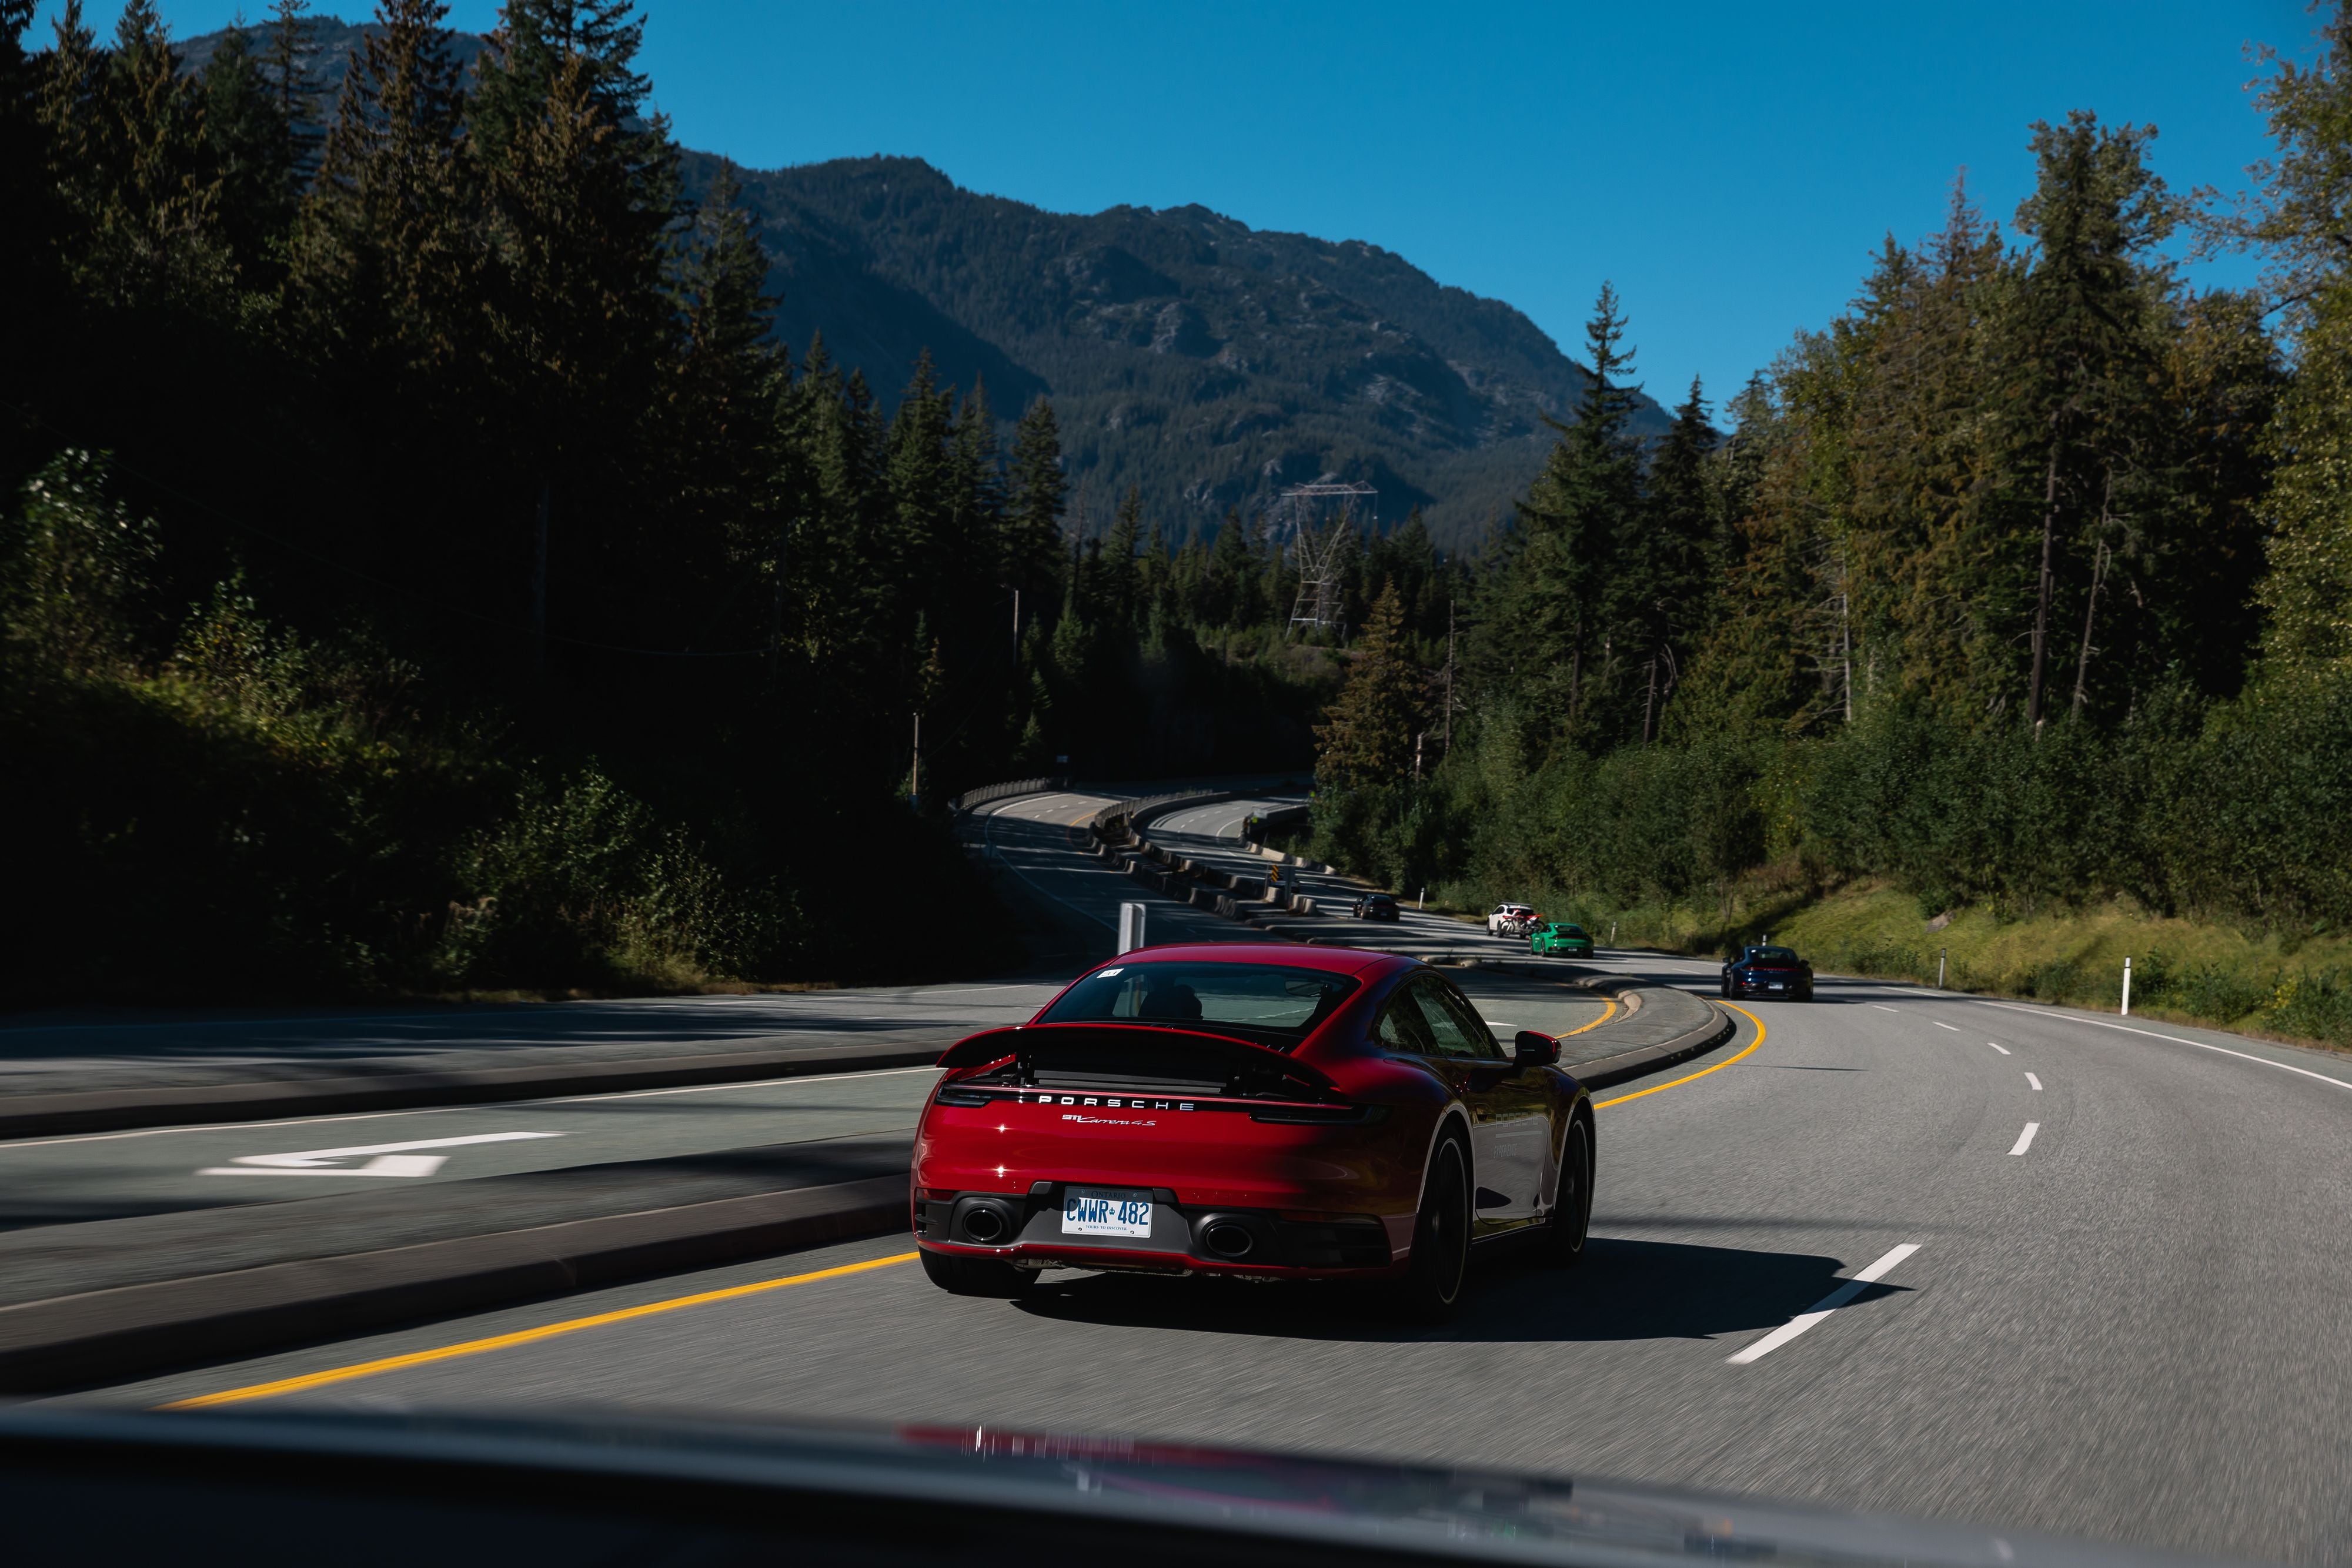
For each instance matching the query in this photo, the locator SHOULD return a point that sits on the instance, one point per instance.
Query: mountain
(1208, 363)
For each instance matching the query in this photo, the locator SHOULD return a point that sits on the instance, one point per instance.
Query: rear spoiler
(997, 1044)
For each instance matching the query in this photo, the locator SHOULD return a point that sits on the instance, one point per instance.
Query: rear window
(1274, 1000)
(1772, 955)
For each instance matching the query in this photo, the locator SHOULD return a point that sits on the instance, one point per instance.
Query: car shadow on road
(1624, 1290)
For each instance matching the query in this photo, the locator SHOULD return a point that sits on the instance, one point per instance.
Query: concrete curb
(1607, 1071)
(112, 1109)
(104, 1335)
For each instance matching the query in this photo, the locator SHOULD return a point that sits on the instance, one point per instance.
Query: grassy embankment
(2256, 982)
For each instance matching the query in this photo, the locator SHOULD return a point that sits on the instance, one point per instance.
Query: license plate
(1780, 985)
(1088, 1211)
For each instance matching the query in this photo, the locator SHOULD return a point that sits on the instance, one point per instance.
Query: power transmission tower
(1317, 524)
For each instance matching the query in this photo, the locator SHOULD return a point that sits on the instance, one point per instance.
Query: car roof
(1292, 955)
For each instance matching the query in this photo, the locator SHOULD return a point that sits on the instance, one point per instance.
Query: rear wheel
(976, 1276)
(1431, 1286)
(1571, 1215)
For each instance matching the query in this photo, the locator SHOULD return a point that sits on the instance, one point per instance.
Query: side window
(1401, 1027)
(1445, 1031)
(1482, 1038)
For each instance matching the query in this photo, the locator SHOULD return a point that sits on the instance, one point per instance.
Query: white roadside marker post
(1130, 927)
(2127, 1012)
(1941, 954)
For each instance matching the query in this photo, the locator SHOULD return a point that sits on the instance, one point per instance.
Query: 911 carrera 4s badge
(1091, 1211)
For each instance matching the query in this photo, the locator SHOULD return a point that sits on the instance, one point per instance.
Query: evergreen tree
(1232, 589)
(1367, 740)
(727, 378)
(582, 195)
(1033, 513)
(128, 157)
(26, 193)
(1122, 572)
(2081, 356)
(1549, 639)
(2298, 218)
(250, 138)
(1670, 591)
(386, 260)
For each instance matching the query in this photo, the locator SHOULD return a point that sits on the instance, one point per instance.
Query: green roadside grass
(2287, 985)
(2282, 984)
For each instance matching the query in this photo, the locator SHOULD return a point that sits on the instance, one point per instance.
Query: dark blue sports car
(1774, 972)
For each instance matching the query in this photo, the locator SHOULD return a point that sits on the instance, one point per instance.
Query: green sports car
(1561, 937)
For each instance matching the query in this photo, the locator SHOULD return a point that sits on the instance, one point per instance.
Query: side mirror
(1529, 1049)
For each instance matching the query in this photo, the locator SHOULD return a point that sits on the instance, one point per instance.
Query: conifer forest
(425, 570)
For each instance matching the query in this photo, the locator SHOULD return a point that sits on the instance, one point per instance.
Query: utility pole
(1016, 622)
(915, 773)
(1417, 739)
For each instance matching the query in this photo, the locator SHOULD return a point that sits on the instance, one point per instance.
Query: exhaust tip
(985, 1226)
(1227, 1240)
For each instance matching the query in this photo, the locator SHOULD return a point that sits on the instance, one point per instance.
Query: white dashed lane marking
(1822, 1308)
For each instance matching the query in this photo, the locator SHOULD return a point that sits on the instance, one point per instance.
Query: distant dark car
(1774, 972)
(1376, 906)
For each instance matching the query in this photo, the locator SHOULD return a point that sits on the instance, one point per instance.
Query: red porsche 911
(1272, 1112)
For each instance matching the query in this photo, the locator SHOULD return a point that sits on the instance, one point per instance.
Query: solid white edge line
(2025, 1139)
(1822, 1308)
(2035, 1082)
(1999, 1047)
(2127, 1029)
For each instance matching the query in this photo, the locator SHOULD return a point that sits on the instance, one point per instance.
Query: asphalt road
(2130, 1325)
(85, 1177)
(90, 1050)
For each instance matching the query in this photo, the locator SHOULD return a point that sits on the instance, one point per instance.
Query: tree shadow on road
(1624, 1290)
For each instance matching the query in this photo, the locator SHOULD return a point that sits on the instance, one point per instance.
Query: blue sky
(1729, 165)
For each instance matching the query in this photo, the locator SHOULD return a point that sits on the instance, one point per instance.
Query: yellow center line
(1596, 1024)
(1703, 1072)
(521, 1336)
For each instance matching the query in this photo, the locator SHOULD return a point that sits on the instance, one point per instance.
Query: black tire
(1433, 1284)
(1571, 1215)
(976, 1276)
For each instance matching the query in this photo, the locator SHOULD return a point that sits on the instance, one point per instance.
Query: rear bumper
(1186, 1239)
(1767, 991)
